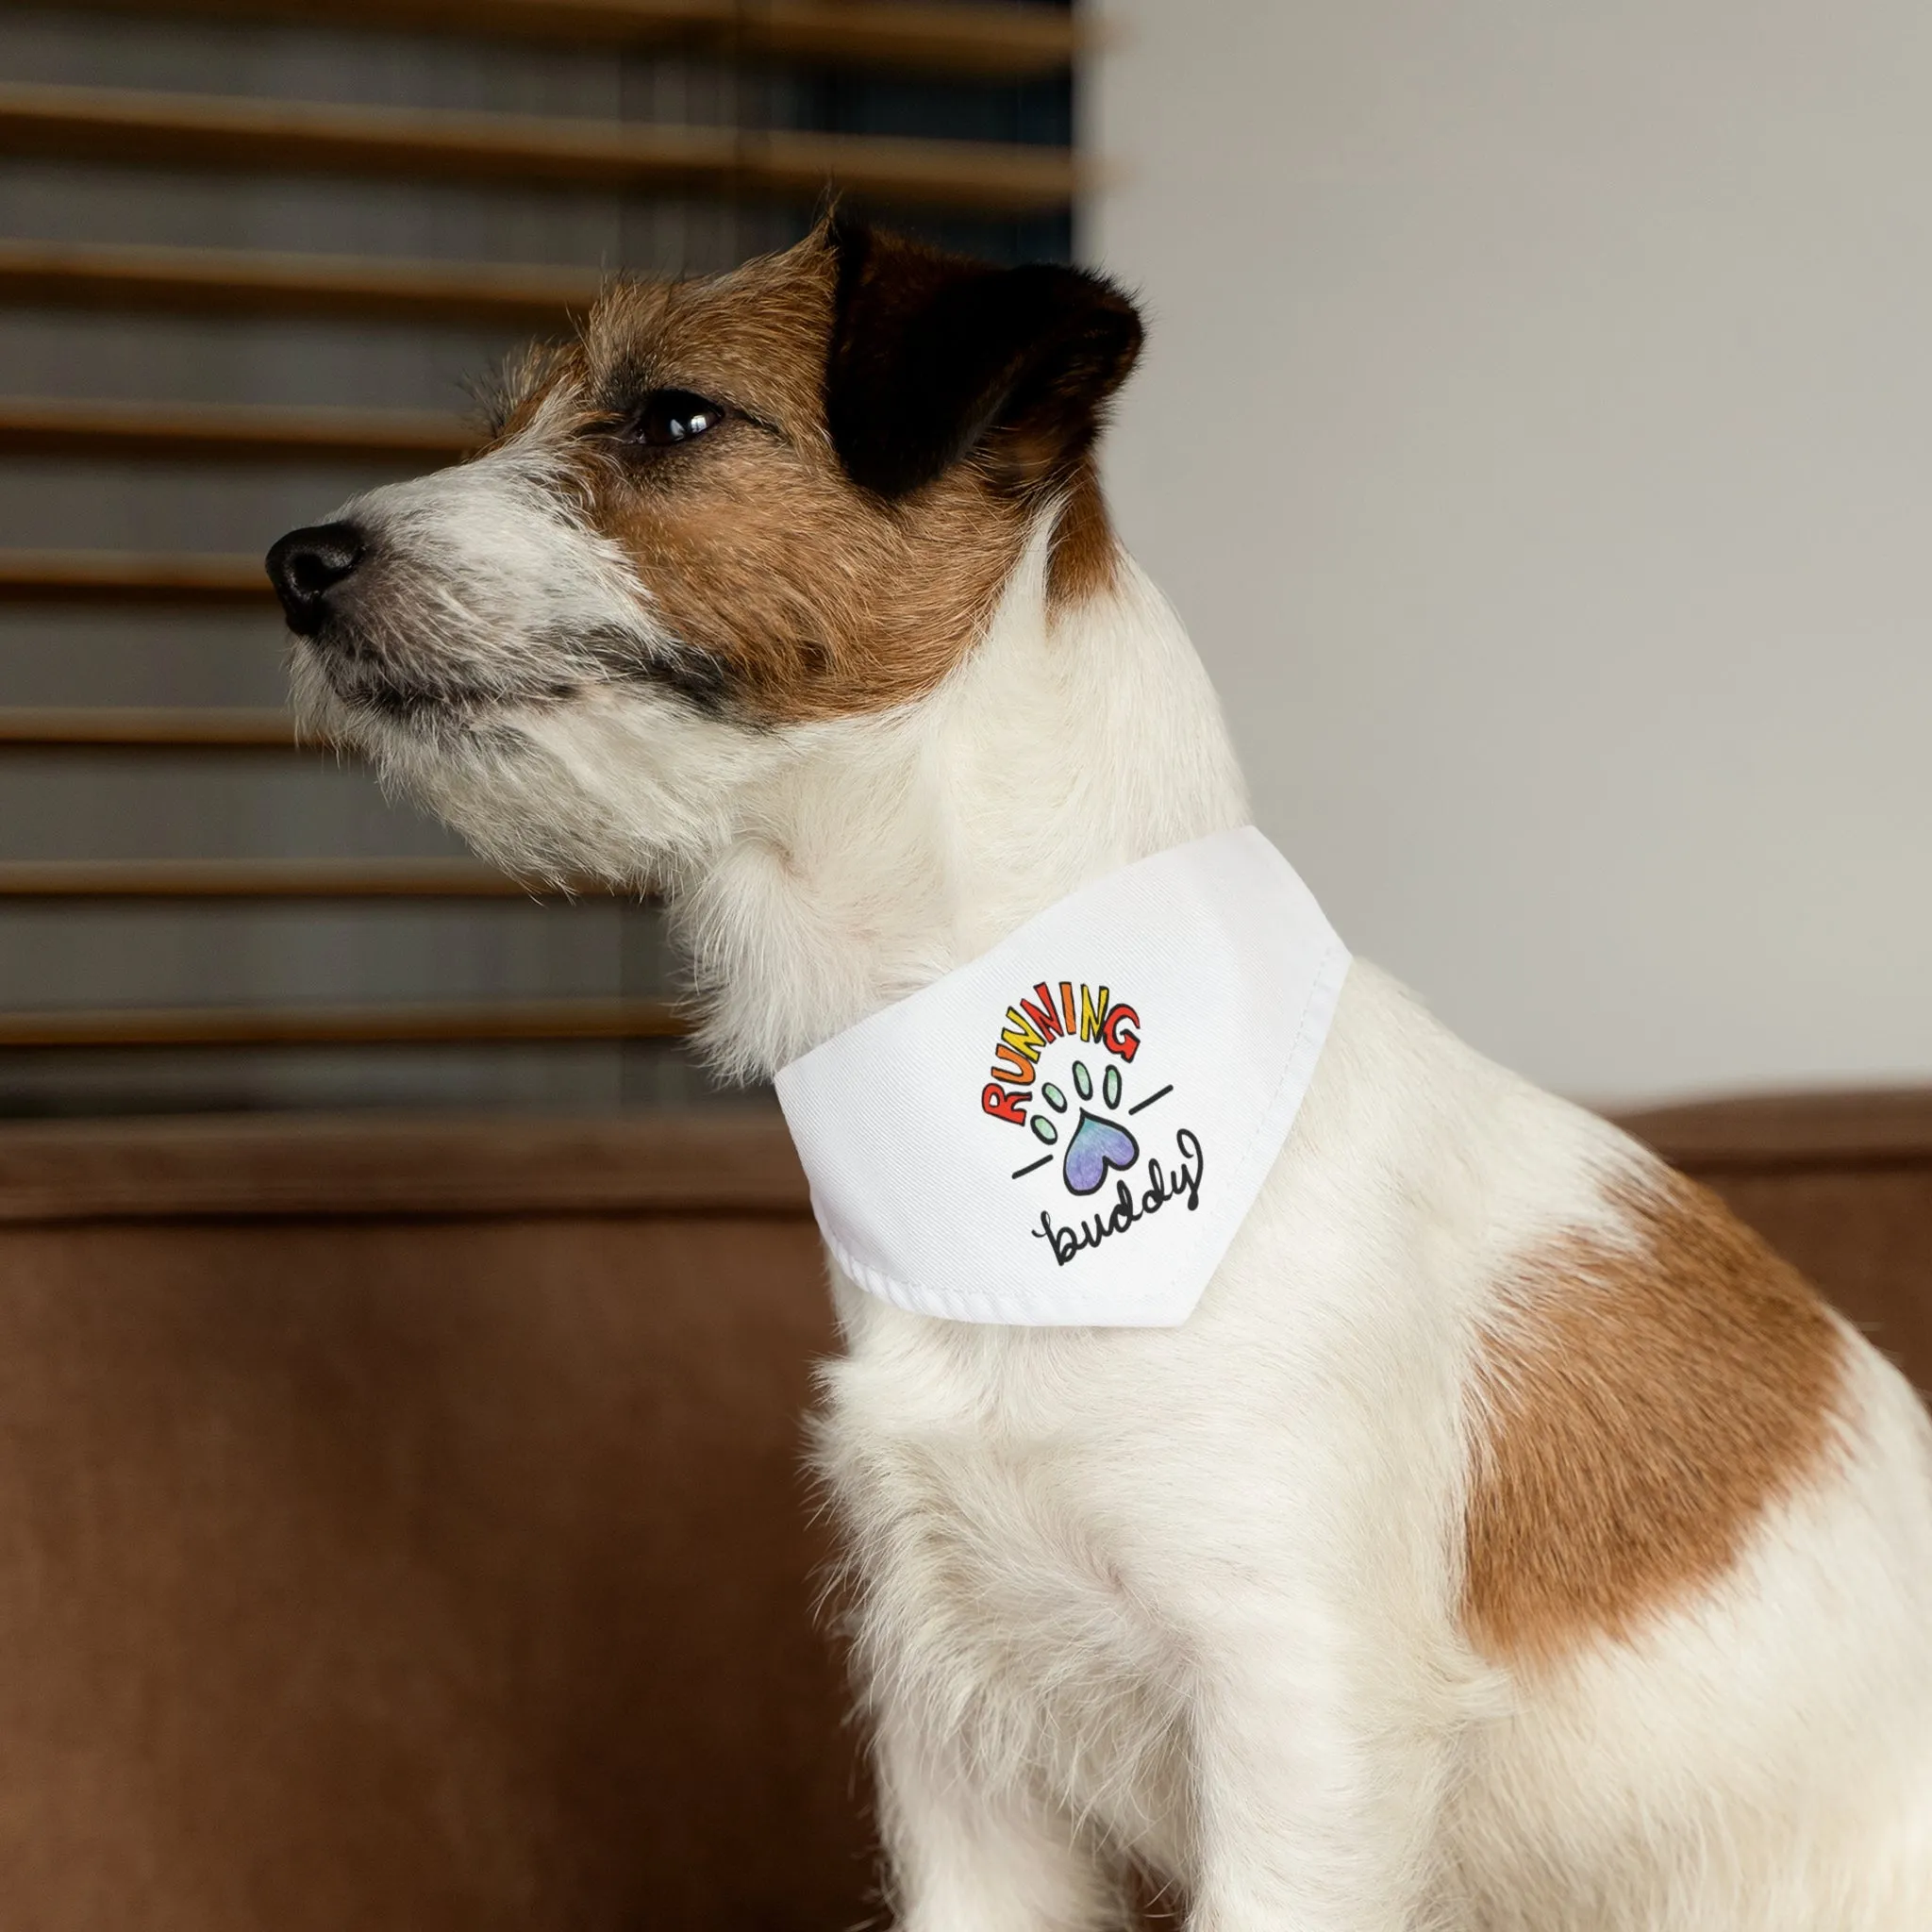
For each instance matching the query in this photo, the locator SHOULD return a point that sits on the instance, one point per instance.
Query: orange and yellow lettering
(1115, 1035)
(1003, 1106)
(1091, 1015)
(1022, 1068)
(1046, 1021)
(1021, 1039)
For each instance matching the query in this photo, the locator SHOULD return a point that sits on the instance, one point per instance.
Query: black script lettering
(1190, 1150)
(1067, 1242)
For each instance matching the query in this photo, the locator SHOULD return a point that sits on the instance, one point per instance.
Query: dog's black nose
(306, 565)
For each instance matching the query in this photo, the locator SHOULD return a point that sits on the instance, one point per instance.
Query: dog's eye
(671, 416)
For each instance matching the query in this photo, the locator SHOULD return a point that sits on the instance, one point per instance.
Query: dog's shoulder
(1649, 1382)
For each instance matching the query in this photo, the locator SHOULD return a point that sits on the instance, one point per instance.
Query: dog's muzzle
(307, 565)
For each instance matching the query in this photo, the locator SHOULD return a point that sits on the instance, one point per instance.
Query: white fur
(1189, 1596)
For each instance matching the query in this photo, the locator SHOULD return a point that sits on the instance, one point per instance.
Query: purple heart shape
(1097, 1145)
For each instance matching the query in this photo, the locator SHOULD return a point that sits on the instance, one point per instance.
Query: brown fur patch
(813, 597)
(1085, 552)
(1641, 1410)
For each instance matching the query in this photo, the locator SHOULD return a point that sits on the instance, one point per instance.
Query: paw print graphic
(1097, 1146)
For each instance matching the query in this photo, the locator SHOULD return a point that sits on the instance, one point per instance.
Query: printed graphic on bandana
(1087, 1041)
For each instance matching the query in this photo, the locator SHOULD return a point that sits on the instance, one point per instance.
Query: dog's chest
(998, 1579)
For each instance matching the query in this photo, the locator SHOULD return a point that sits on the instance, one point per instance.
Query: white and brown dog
(1507, 1540)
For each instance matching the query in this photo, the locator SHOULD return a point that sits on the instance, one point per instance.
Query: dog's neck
(890, 850)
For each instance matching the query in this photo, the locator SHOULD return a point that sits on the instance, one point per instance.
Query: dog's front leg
(1314, 1806)
(964, 1857)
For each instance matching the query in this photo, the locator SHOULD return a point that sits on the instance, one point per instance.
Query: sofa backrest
(401, 1526)
(1838, 1183)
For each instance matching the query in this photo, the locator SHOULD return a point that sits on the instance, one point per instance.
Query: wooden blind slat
(120, 577)
(259, 878)
(238, 282)
(965, 39)
(33, 426)
(218, 131)
(229, 728)
(400, 1025)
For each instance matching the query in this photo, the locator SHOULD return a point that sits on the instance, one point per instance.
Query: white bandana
(1070, 1129)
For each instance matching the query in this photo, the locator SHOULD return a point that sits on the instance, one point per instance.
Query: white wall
(1536, 432)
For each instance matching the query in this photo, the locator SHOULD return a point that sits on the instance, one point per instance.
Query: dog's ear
(934, 357)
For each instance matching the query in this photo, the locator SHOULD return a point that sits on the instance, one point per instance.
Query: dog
(1508, 1541)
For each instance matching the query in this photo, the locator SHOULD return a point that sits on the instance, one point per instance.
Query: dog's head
(733, 510)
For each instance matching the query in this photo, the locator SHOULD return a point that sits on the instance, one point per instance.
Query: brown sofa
(401, 1523)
